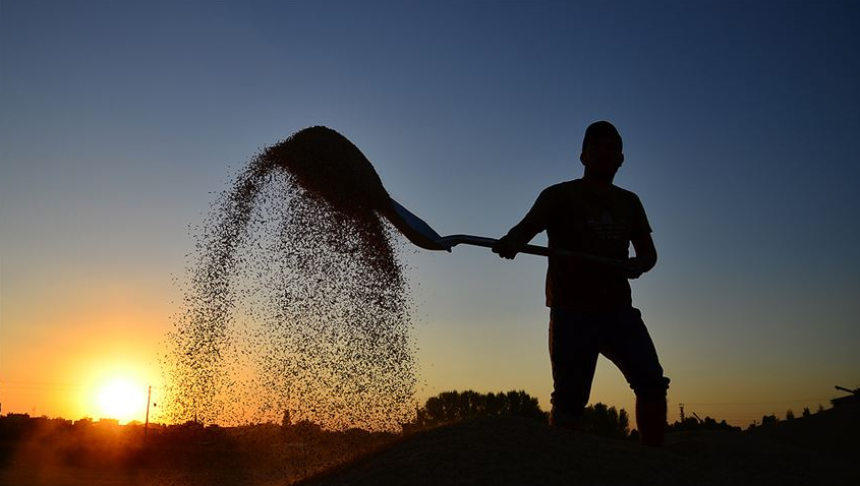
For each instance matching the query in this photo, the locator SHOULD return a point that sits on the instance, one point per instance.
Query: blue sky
(121, 121)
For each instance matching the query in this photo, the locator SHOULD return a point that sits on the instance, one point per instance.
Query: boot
(651, 419)
(562, 420)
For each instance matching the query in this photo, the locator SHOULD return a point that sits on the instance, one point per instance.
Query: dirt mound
(834, 432)
(514, 451)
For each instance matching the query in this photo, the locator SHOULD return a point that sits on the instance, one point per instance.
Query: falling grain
(295, 303)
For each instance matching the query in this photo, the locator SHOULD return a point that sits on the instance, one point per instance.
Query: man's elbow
(646, 252)
(646, 260)
(650, 262)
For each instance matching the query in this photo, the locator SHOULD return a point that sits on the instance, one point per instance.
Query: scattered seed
(295, 299)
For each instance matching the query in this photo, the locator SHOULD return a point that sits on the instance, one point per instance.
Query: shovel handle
(454, 240)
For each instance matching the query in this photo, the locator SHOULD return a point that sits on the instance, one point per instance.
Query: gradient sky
(121, 121)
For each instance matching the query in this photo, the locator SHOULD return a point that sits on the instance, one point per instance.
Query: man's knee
(570, 402)
(652, 389)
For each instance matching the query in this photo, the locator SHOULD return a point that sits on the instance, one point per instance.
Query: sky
(120, 122)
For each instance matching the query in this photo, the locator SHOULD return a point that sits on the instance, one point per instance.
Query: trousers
(576, 339)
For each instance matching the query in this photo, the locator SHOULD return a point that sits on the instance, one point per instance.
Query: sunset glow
(122, 399)
(110, 171)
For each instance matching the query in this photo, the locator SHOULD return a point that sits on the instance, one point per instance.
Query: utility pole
(682, 412)
(148, 397)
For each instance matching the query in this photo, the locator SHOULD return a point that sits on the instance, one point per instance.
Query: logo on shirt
(604, 227)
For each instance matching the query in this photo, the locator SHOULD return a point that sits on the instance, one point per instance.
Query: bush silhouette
(453, 406)
(600, 419)
(695, 423)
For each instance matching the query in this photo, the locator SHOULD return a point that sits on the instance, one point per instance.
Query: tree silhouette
(453, 406)
(694, 423)
(769, 419)
(600, 419)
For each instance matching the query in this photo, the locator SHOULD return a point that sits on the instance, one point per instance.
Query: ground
(510, 451)
(499, 451)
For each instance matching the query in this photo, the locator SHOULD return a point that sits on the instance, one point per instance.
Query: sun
(122, 399)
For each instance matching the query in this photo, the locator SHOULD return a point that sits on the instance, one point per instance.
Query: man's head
(602, 151)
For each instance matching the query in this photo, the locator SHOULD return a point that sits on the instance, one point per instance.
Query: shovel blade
(414, 228)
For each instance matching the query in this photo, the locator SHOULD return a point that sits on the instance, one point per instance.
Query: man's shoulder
(561, 188)
(625, 193)
(576, 190)
(628, 199)
(576, 186)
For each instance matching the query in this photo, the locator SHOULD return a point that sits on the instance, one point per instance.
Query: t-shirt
(581, 218)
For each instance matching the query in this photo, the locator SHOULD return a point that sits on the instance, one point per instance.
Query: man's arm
(646, 256)
(535, 221)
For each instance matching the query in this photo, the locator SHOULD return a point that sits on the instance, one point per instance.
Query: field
(820, 449)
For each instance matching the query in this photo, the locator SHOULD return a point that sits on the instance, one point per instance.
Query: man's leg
(651, 419)
(573, 350)
(630, 347)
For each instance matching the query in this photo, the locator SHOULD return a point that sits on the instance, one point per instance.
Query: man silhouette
(591, 308)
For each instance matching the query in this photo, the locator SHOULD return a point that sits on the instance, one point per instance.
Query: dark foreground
(821, 449)
(818, 450)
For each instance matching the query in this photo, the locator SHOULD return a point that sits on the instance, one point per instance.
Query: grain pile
(296, 307)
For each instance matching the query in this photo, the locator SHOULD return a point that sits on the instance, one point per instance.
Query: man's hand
(506, 248)
(646, 256)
